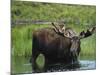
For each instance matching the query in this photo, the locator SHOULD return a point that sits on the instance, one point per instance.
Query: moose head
(75, 39)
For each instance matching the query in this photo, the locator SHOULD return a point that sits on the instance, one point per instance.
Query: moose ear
(88, 33)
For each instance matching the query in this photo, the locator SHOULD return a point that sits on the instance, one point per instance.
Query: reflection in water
(86, 64)
(22, 65)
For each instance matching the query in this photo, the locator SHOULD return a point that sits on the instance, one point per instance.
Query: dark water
(22, 65)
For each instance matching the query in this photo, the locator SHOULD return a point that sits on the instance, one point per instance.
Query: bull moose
(57, 45)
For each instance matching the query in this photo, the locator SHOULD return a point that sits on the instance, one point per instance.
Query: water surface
(22, 65)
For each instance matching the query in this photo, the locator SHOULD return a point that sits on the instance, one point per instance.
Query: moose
(58, 45)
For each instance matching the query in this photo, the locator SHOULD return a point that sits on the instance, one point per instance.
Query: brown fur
(55, 47)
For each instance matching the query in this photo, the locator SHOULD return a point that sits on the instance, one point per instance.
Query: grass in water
(22, 41)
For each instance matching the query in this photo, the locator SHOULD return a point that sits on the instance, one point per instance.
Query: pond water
(22, 65)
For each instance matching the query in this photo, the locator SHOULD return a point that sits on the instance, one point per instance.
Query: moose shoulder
(56, 48)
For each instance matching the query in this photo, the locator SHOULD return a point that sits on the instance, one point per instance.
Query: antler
(56, 29)
(60, 29)
(89, 32)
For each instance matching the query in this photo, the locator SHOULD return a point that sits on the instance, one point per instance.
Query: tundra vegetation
(78, 17)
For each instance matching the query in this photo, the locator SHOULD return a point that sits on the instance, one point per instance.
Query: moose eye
(75, 40)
